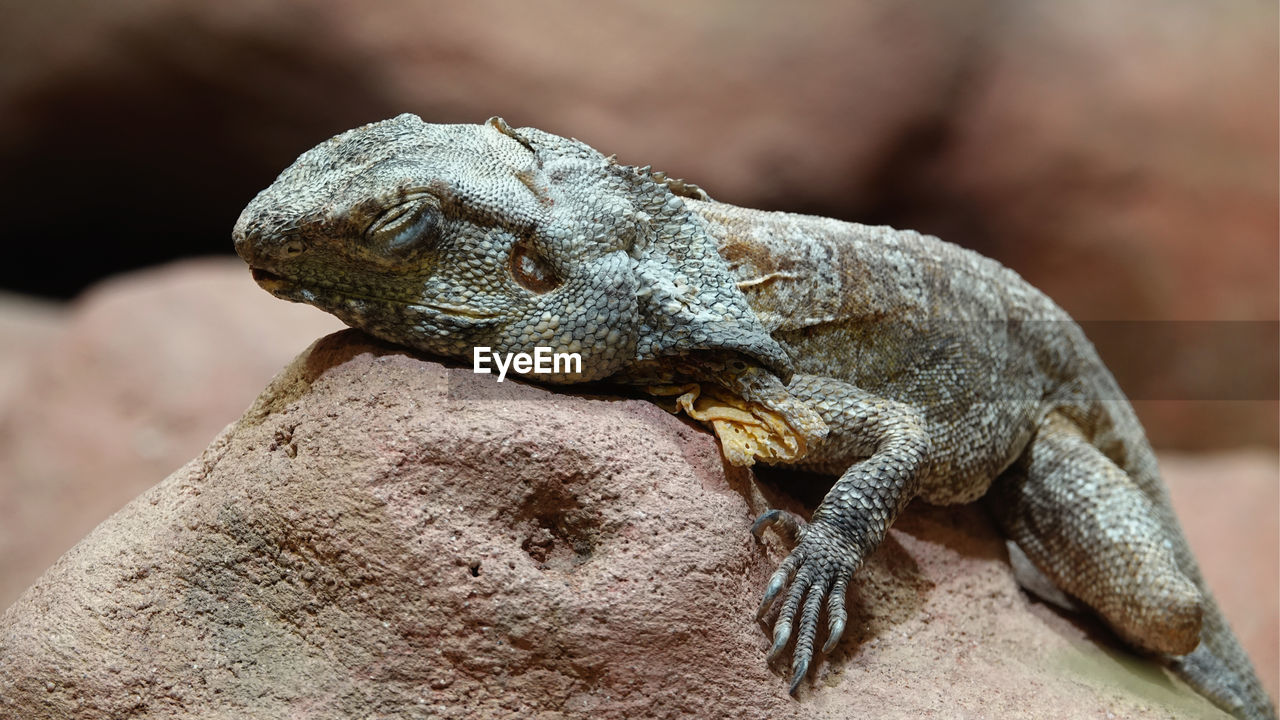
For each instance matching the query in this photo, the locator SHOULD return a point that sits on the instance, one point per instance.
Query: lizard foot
(817, 571)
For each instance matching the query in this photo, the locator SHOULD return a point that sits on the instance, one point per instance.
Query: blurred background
(1123, 157)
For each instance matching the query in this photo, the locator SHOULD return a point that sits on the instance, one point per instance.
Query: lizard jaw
(340, 301)
(280, 286)
(268, 281)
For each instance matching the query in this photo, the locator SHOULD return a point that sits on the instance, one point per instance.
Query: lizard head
(448, 237)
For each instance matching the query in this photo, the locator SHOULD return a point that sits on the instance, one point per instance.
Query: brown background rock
(381, 535)
(1121, 156)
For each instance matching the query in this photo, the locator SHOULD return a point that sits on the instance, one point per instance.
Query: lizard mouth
(268, 280)
(280, 286)
(287, 289)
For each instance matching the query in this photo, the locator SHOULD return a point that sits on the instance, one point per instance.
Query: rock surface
(382, 536)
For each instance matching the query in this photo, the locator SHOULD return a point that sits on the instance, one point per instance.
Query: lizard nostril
(244, 246)
(293, 248)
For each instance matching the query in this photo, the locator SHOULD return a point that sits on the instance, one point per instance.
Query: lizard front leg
(892, 440)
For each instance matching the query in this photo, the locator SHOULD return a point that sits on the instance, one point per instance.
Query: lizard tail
(1218, 668)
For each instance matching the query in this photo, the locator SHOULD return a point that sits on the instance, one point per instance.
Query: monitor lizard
(904, 365)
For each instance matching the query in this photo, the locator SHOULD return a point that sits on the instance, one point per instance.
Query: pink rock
(132, 381)
(27, 326)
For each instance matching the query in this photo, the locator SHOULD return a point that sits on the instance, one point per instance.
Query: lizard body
(902, 364)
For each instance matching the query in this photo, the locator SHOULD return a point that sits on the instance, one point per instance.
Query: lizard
(903, 365)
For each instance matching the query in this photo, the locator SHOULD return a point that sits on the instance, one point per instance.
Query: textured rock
(384, 536)
(125, 385)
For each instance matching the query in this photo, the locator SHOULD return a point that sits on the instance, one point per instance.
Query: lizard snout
(247, 237)
(261, 250)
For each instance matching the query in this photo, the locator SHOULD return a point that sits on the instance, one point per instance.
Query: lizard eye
(407, 225)
(531, 270)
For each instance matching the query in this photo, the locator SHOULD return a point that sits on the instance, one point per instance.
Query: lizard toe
(808, 630)
(781, 634)
(787, 614)
(777, 582)
(836, 615)
(788, 522)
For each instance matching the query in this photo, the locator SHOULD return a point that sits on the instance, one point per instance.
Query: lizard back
(924, 321)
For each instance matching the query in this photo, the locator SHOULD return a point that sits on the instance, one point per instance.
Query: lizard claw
(791, 523)
(836, 615)
(835, 630)
(798, 670)
(781, 634)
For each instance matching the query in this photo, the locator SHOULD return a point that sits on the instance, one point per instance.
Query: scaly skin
(905, 365)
